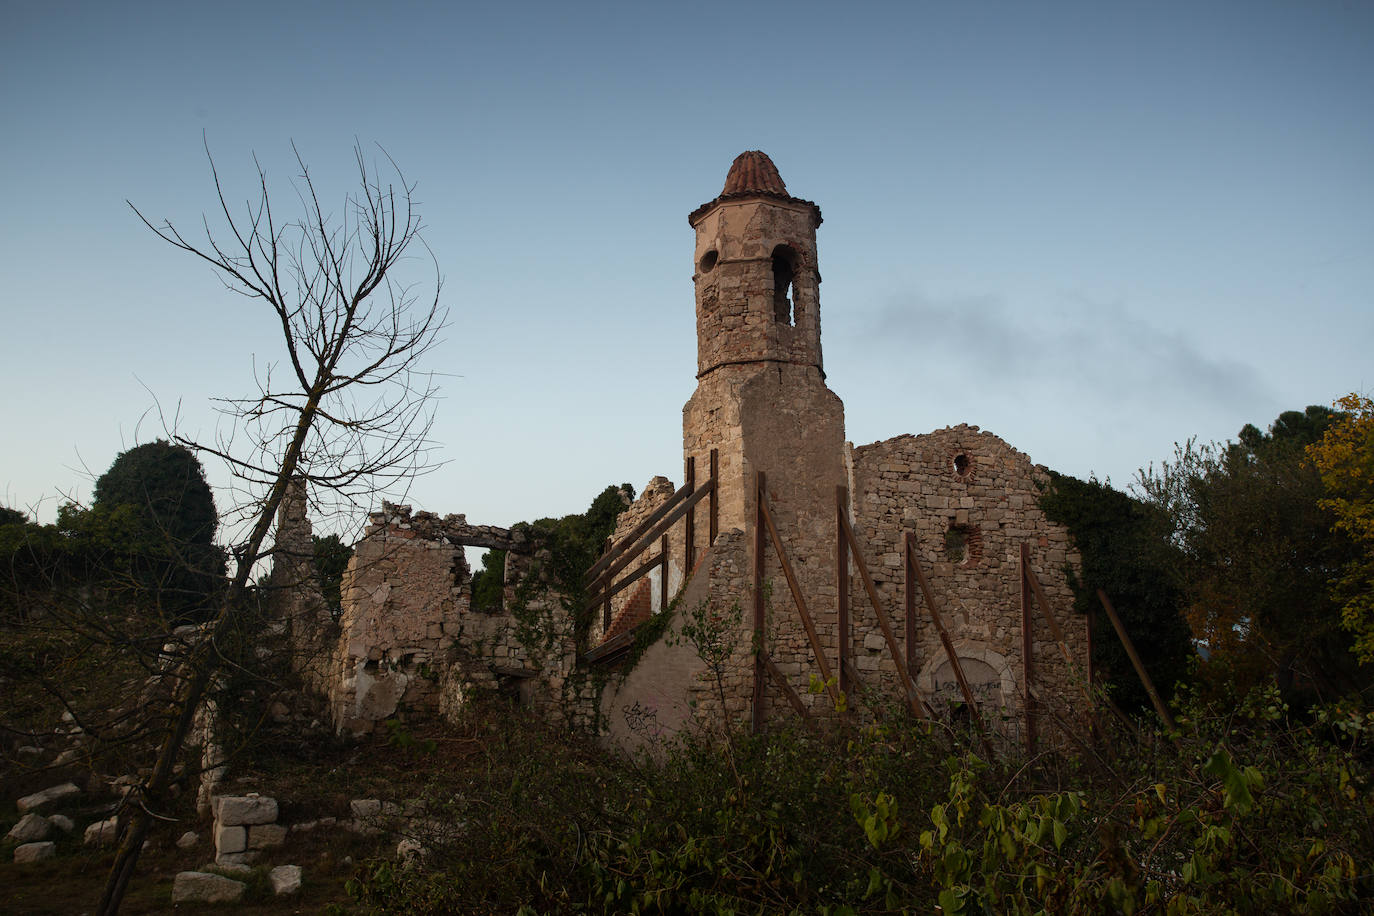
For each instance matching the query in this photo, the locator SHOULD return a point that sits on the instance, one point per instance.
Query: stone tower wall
(734, 278)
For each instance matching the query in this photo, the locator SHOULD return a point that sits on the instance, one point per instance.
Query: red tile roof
(752, 170)
(752, 174)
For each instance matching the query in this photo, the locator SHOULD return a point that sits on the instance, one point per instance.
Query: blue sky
(1093, 229)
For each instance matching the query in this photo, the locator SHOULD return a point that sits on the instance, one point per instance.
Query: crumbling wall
(404, 594)
(409, 640)
(971, 500)
(639, 602)
(293, 592)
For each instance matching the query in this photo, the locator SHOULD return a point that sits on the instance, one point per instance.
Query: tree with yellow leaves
(1345, 458)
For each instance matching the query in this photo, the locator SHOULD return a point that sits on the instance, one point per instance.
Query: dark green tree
(574, 542)
(150, 530)
(1259, 554)
(164, 485)
(1127, 553)
(488, 583)
(331, 562)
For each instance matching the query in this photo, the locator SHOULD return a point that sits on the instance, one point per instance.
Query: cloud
(1098, 350)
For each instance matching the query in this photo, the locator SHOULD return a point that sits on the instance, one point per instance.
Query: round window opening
(962, 465)
(708, 261)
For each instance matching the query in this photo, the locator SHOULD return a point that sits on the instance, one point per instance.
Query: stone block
(230, 838)
(101, 833)
(62, 822)
(266, 836)
(35, 852)
(203, 887)
(286, 879)
(245, 858)
(31, 828)
(231, 810)
(188, 839)
(50, 796)
(365, 807)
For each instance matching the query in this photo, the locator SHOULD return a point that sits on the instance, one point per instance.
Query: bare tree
(349, 411)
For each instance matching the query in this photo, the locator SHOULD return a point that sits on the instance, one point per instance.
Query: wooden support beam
(606, 606)
(816, 648)
(1043, 600)
(910, 574)
(663, 575)
(846, 637)
(1144, 675)
(715, 497)
(689, 559)
(780, 679)
(903, 676)
(1027, 652)
(758, 621)
(599, 567)
(913, 563)
(630, 579)
(664, 522)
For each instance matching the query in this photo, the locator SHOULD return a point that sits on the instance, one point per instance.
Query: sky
(1092, 229)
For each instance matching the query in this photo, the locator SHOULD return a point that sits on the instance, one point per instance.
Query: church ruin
(917, 570)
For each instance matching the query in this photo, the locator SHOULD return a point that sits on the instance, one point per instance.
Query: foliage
(1344, 457)
(1243, 810)
(331, 562)
(1250, 814)
(575, 542)
(1258, 553)
(488, 583)
(1126, 552)
(164, 485)
(146, 540)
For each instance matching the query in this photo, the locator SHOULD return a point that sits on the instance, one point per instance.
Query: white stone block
(101, 833)
(51, 795)
(365, 807)
(188, 839)
(231, 810)
(35, 852)
(31, 828)
(230, 838)
(232, 859)
(62, 822)
(203, 887)
(286, 879)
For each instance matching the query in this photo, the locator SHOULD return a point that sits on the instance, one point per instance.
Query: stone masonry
(408, 637)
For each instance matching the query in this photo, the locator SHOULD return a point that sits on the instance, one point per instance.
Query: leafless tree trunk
(349, 413)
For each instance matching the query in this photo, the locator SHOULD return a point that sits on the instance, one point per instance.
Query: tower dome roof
(752, 174)
(752, 170)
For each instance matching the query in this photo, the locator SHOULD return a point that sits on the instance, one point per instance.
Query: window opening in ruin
(784, 284)
(962, 465)
(708, 262)
(963, 545)
(489, 583)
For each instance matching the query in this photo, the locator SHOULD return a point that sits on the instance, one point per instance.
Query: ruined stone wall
(637, 603)
(293, 593)
(404, 596)
(971, 500)
(410, 641)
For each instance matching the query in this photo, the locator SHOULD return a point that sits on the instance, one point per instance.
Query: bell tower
(761, 400)
(756, 279)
